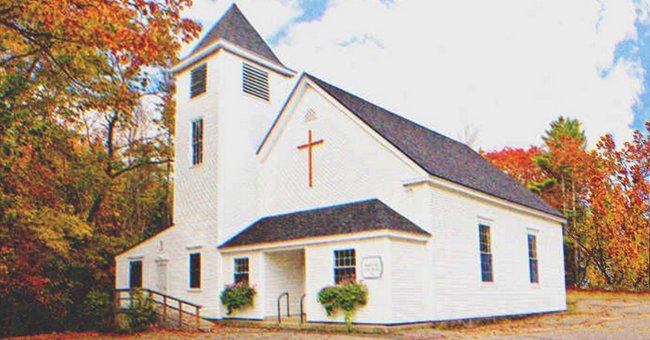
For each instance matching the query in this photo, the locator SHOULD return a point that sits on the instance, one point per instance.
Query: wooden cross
(310, 145)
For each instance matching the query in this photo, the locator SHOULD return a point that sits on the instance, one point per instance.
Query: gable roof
(439, 155)
(348, 218)
(235, 28)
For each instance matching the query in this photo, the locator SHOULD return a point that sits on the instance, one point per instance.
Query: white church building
(293, 184)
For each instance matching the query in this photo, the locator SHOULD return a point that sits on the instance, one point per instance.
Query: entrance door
(161, 282)
(284, 272)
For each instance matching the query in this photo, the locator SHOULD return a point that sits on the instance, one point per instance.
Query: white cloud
(505, 68)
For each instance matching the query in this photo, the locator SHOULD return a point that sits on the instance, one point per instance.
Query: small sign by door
(371, 267)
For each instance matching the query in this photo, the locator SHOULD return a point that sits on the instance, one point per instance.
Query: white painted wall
(351, 165)
(243, 124)
(456, 276)
(319, 261)
(174, 245)
(256, 280)
(411, 282)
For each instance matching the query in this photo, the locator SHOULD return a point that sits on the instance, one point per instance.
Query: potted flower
(346, 295)
(237, 295)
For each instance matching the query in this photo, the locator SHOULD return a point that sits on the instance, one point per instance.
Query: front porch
(290, 258)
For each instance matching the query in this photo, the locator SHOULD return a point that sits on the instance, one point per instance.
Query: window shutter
(255, 82)
(198, 80)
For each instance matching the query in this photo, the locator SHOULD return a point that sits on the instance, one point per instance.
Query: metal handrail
(279, 300)
(302, 308)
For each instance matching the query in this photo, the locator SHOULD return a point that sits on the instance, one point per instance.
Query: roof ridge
(338, 205)
(407, 120)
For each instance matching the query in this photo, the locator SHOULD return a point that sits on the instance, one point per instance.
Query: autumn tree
(617, 230)
(604, 195)
(80, 177)
(519, 163)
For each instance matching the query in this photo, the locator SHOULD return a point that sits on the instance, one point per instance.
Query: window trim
(197, 142)
(193, 271)
(486, 257)
(533, 279)
(351, 265)
(237, 272)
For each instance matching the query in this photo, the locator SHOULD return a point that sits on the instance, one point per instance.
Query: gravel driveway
(590, 316)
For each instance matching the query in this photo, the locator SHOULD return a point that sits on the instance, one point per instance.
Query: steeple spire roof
(236, 29)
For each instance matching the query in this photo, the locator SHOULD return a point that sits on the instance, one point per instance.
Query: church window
(197, 141)
(486, 253)
(344, 265)
(198, 79)
(532, 258)
(135, 274)
(255, 82)
(241, 270)
(195, 270)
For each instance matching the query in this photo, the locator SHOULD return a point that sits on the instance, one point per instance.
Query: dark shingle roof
(341, 219)
(440, 156)
(235, 28)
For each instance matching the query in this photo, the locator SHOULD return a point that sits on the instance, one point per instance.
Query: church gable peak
(234, 28)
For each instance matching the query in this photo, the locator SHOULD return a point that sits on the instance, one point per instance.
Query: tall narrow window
(255, 82)
(344, 265)
(532, 258)
(135, 274)
(241, 270)
(198, 78)
(486, 253)
(197, 141)
(195, 270)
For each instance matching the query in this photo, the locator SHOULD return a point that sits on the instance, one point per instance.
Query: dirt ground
(590, 316)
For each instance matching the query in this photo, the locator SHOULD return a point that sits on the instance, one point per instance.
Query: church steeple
(236, 29)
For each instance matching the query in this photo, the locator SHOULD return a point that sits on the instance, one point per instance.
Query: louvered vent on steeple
(255, 82)
(198, 78)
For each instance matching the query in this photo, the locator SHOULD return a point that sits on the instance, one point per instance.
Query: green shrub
(140, 313)
(346, 296)
(237, 296)
(98, 311)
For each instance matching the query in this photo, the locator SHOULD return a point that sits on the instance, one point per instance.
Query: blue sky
(312, 10)
(500, 70)
(640, 49)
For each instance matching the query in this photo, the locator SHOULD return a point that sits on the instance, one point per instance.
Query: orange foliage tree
(604, 195)
(65, 182)
(617, 231)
